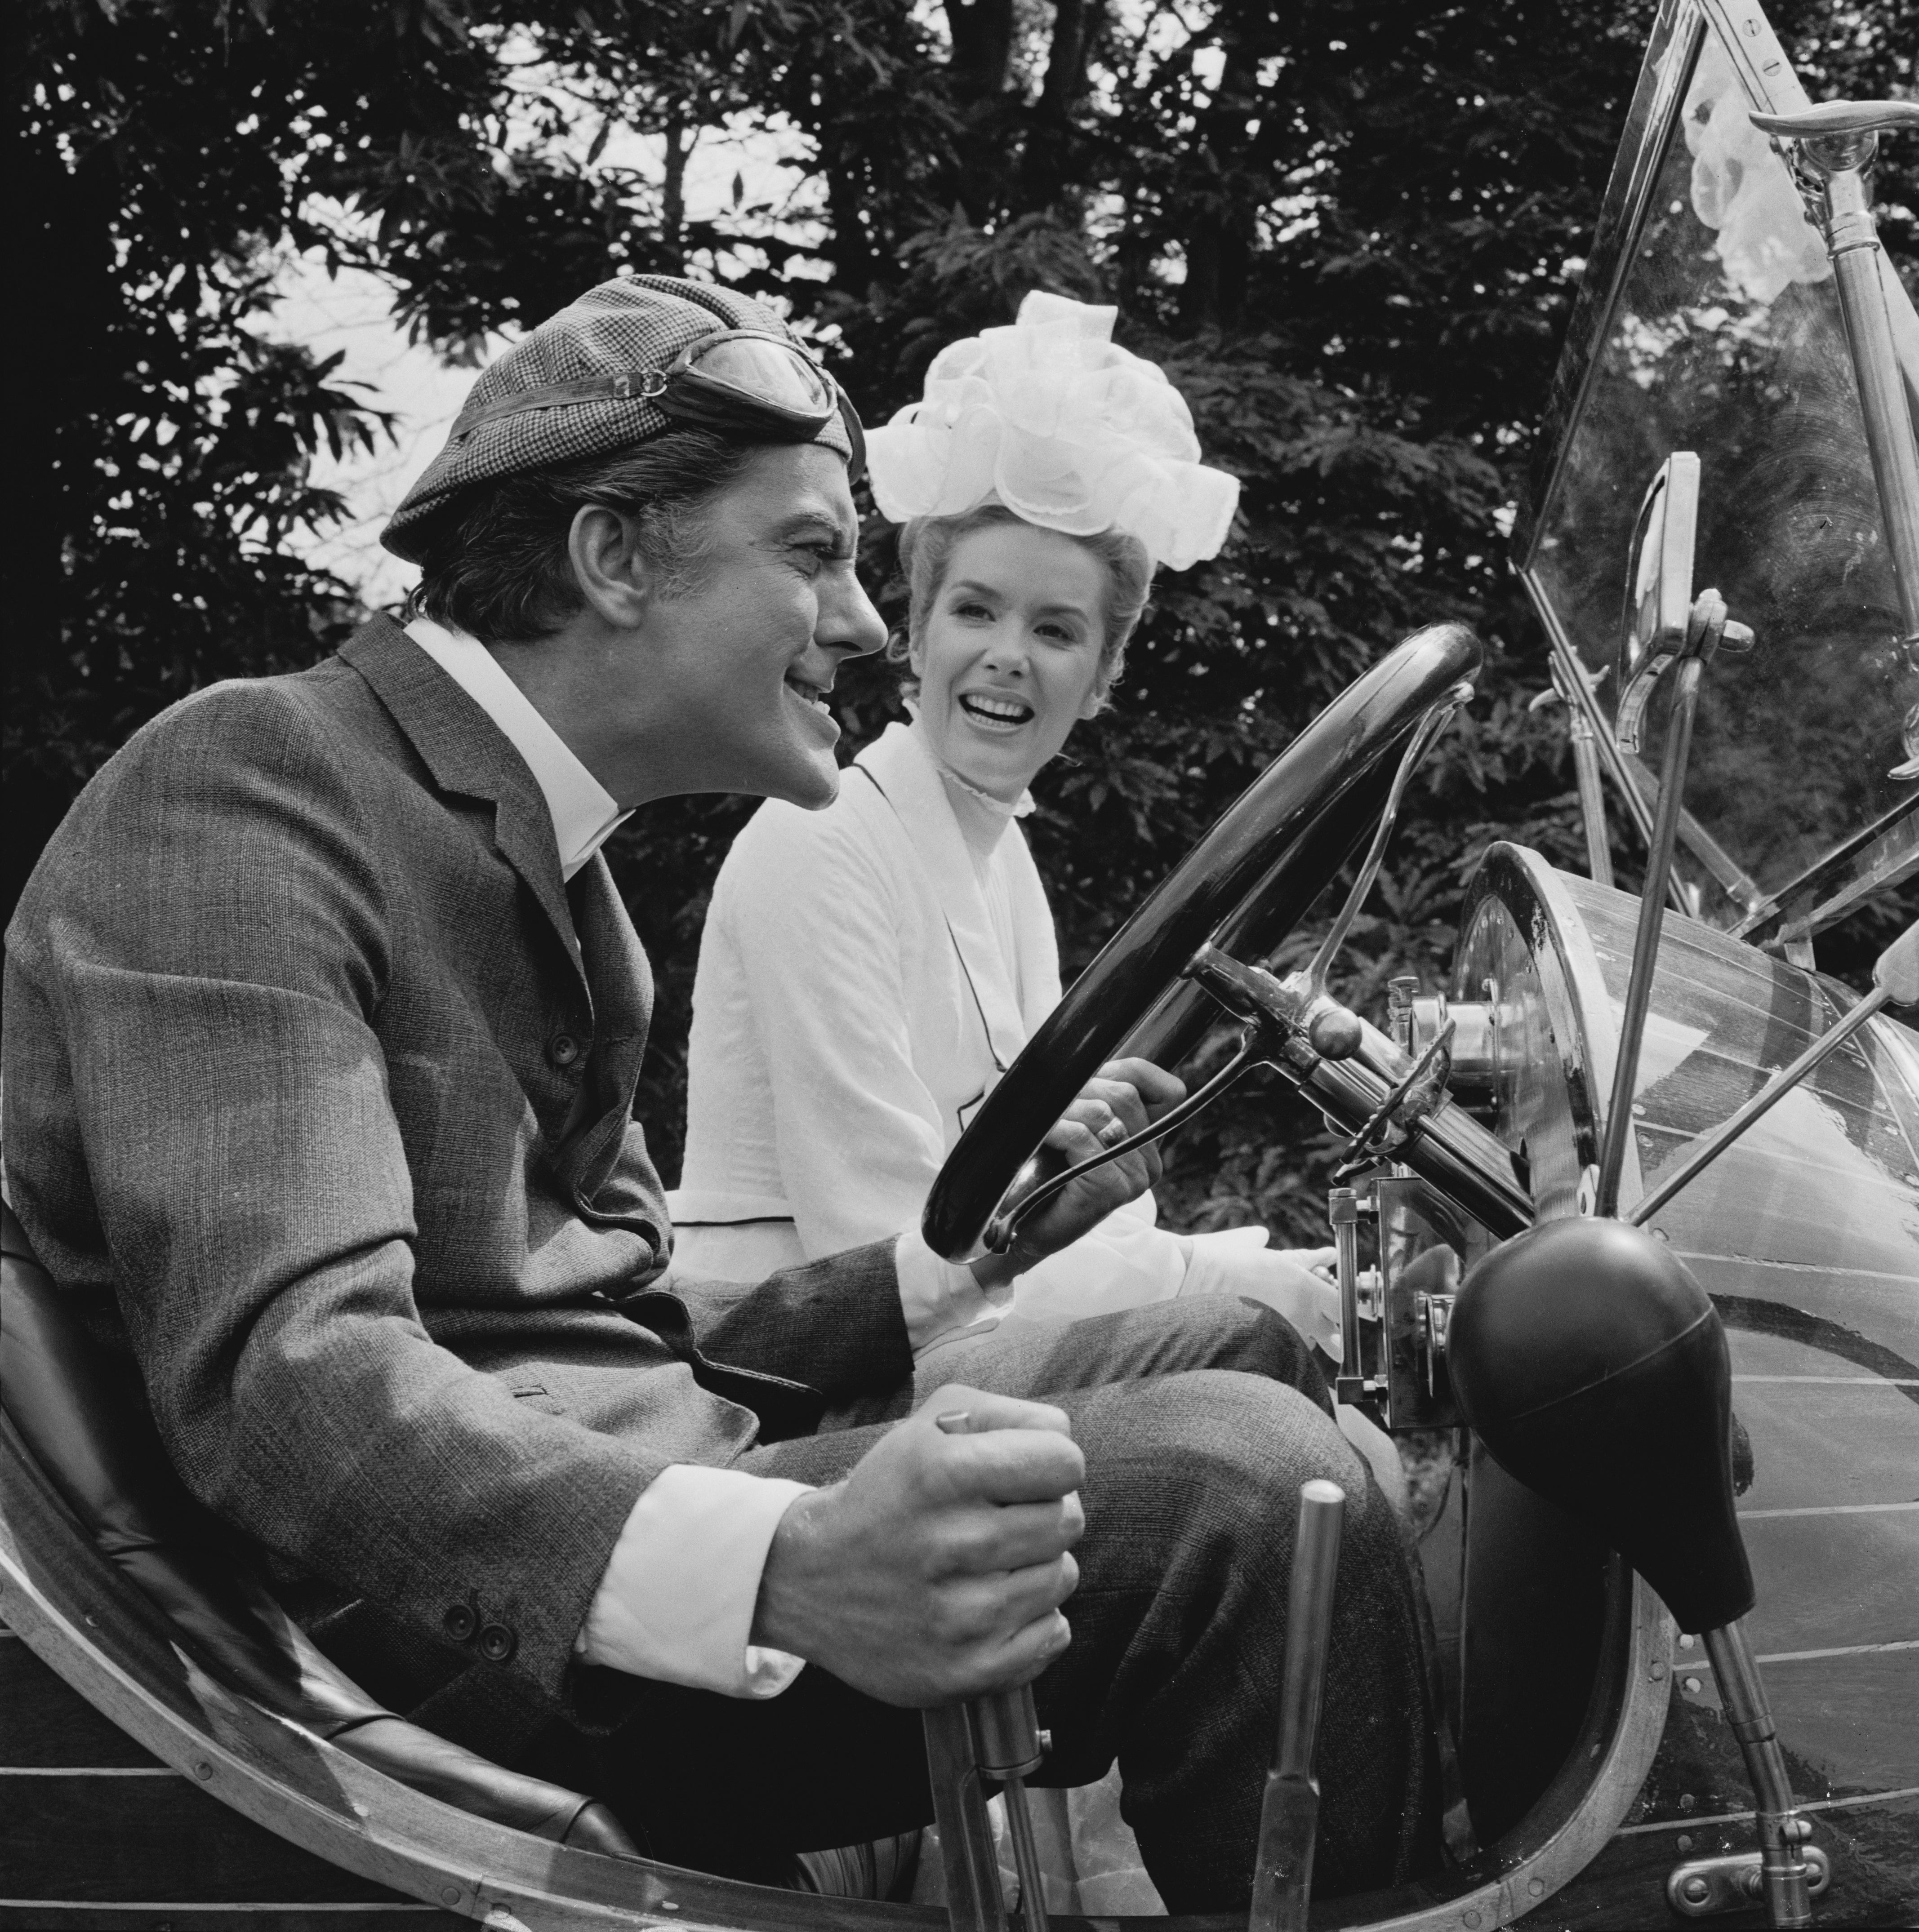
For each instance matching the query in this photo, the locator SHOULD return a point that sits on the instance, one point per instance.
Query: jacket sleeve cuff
(938, 1297)
(677, 1599)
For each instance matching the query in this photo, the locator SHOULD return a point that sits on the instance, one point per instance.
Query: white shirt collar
(585, 813)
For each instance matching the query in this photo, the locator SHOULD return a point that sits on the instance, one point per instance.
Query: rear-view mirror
(1659, 587)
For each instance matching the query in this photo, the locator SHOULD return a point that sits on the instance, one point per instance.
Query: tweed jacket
(318, 1097)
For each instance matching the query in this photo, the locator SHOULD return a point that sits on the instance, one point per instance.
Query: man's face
(746, 654)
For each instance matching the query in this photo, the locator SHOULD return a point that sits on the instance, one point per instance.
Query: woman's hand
(1122, 1100)
(1296, 1283)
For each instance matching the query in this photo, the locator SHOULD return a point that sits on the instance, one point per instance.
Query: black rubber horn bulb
(1594, 1367)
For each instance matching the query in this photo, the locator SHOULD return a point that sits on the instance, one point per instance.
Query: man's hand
(936, 1569)
(1123, 1099)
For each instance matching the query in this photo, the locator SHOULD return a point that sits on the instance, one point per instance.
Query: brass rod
(1694, 1160)
(1423, 734)
(1592, 800)
(1343, 1210)
(1026, 1856)
(1783, 1832)
(1890, 440)
(1652, 917)
(1289, 1812)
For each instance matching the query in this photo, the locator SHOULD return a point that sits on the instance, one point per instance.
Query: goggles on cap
(741, 381)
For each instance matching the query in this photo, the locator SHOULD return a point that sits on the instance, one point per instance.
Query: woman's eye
(971, 609)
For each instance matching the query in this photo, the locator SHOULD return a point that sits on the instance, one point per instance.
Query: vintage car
(1616, 1103)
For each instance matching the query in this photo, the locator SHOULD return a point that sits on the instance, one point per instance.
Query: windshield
(1721, 333)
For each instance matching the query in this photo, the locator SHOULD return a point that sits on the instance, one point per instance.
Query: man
(323, 1026)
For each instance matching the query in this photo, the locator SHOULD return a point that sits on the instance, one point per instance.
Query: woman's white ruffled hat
(1065, 428)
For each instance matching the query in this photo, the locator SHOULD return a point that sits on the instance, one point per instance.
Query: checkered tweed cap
(627, 327)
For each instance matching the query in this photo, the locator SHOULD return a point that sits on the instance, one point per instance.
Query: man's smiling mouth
(1000, 713)
(803, 687)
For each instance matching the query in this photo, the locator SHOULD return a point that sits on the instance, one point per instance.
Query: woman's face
(1009, 658)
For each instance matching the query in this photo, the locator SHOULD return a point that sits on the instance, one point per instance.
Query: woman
(867, 972)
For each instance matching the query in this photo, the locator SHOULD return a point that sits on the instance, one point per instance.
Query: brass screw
(1695, 1889)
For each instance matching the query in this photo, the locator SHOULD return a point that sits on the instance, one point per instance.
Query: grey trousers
(1199, 1420)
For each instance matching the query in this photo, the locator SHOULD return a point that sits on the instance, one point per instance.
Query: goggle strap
(649, 386)
(641, 385)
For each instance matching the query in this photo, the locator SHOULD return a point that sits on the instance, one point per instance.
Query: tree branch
(982, 32)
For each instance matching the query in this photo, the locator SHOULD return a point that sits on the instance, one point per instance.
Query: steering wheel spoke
(1022, 1204)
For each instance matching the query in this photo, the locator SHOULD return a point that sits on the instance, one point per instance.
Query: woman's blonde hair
(926, 545)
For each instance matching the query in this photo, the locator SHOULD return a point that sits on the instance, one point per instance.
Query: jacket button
(565, 1049)
(460, 1621)
(497, 1643)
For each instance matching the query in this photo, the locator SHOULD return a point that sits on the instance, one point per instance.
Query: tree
(1351, 231)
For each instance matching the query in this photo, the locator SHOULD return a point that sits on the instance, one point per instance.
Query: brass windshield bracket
(1702, 1888)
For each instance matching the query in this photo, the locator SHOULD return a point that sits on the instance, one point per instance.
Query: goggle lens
(768, 373)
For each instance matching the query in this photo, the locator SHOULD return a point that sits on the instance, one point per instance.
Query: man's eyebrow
(797, 529)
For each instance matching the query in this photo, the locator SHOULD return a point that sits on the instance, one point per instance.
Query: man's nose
(847, 621)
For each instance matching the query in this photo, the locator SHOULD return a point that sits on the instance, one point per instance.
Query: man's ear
(609, 566)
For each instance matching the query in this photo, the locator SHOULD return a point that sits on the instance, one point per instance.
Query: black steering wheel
(1243, 887)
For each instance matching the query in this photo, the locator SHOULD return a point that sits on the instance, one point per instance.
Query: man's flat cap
(631, 328)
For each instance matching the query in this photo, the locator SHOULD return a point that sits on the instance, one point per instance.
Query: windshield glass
(1722, 334)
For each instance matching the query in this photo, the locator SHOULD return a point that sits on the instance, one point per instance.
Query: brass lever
(1840, 118)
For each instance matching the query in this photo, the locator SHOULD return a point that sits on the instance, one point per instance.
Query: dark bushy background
(1351, 229)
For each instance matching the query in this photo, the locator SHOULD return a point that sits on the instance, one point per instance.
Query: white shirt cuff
(938, 1296)
(677, 1602)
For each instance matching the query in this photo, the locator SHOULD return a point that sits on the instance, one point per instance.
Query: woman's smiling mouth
(997, 712)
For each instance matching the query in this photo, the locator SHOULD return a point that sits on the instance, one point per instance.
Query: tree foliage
(1352, 232)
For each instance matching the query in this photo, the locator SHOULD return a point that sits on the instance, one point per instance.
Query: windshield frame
(1879, 855)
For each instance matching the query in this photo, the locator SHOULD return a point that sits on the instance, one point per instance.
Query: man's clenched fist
(936, 1569)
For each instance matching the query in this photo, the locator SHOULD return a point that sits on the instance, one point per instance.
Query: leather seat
(82, 1415)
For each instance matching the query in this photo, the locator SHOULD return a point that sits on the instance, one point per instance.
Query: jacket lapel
(467, 753)
(898, 764)
(620, 977)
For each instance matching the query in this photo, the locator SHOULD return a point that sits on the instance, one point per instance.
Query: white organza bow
(1064, 428)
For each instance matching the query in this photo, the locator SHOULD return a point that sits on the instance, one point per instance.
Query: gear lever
(1008, 1745)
